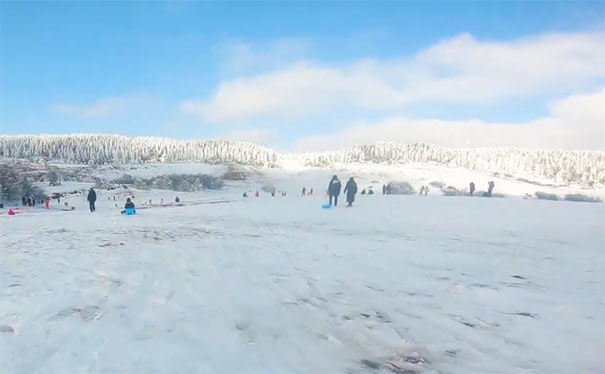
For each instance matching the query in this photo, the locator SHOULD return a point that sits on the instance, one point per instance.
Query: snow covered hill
(586, 168)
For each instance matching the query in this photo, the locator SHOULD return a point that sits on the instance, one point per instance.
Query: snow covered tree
(580, 167)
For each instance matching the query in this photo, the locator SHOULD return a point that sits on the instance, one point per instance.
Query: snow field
(273, 285)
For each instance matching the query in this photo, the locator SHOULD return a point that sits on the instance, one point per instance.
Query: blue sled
(326, 206)
(130, 212)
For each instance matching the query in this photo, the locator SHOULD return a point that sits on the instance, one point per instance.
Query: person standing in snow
(177, 200)
(471, 188)
(92, 197)
(334, 188)
(350, 190)
(490, 188)
(304, 191)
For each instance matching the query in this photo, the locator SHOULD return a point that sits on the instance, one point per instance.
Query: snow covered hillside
(224, 284)
(585, 168)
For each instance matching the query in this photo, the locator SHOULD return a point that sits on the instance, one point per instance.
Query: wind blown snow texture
(278, 285)
(580, 167)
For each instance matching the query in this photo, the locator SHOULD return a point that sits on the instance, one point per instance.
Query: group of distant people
(490, 189)
(28, 201)
(334, 189)
(305, 193)
(335, 186)
(273, 193)
(129, 205)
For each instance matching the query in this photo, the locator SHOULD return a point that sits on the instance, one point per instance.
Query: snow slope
(278, 285)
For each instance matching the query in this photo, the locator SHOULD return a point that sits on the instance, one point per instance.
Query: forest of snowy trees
(581, 167)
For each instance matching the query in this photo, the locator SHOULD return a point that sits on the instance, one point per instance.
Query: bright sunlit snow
(220, 283)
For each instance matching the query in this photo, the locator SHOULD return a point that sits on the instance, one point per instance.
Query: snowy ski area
(224, 284)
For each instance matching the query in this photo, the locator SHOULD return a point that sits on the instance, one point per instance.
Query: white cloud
(105, 107)
(238, 57)
(576, 122)
(97, 110)
(258, 136)
(461, 69)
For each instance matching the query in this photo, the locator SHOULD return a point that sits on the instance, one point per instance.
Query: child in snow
(128, 206)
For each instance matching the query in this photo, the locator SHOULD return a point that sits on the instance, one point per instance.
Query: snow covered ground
(278, 285)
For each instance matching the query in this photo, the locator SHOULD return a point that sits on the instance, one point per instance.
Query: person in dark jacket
(92, 197)
(350, 190)
(334, 190)
(472, 188)
(24, 201)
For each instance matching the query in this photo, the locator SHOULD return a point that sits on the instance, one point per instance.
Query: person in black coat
(92, 197)
(334, 190)
(350, 190)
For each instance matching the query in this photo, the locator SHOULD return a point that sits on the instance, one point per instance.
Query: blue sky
(250, 70)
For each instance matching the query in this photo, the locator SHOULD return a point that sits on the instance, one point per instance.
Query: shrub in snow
(268, 188)
(14, 184)
(181, 182)
(547, 196)
(400, 188)
(581, 198)
(124, 179)
(54, 178)
(437, 184)
(235, 174)
(452, 191)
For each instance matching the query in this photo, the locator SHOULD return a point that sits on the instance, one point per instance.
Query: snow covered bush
(452, 191)
(14, 184)
(581, 198)
(53, 178)
(437, 184)
(268, 188)
(235, 174)
(181, 182)
(547, 196)
(124, 179)
(400, 188)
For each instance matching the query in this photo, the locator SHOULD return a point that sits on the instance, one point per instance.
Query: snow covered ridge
(585, 168)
